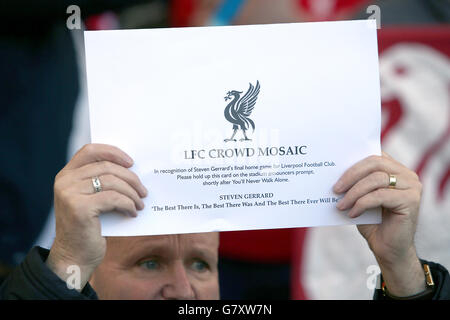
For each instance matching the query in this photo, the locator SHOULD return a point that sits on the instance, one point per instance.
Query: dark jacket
(38, 91)
(441, 280)
(32, 279)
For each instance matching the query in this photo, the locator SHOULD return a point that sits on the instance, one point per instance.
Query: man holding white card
(264, 156)
(81, 197)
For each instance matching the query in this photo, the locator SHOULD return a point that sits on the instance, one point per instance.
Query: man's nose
(178, 285)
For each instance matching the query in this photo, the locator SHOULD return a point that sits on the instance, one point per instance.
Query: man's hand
(77, 206)
(366, 186)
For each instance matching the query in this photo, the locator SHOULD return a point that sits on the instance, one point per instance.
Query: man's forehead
(193, 241)
(208, 238)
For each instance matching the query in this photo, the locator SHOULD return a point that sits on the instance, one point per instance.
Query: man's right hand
(78, 238)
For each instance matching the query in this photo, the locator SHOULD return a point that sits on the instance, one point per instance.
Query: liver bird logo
(239, 110)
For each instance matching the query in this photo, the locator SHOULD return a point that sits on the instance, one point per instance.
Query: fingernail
(144, 191)
(133, 214)
(338, 186)
(129, 160)
(141, 205)
(340, 205)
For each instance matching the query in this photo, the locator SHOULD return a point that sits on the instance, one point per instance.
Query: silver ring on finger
(96, 184)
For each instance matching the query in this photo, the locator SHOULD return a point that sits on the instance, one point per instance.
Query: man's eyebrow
(149, 251)
(141, 249)
(203, 253)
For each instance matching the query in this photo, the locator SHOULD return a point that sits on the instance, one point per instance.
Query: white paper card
(236, 128)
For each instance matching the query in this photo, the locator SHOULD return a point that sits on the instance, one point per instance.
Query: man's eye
(151, 264)
(200, 266)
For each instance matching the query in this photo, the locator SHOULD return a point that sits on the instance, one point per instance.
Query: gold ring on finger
(392, 181)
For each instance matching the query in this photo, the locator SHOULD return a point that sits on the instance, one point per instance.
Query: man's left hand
(366, 186)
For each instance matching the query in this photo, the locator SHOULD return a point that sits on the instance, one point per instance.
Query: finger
(370, 183)
(363, 168)
(387, 156)
(411, 173)
(393, 199)
(111, 200)
(111, 182)
(98, 152)
(101, 168)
